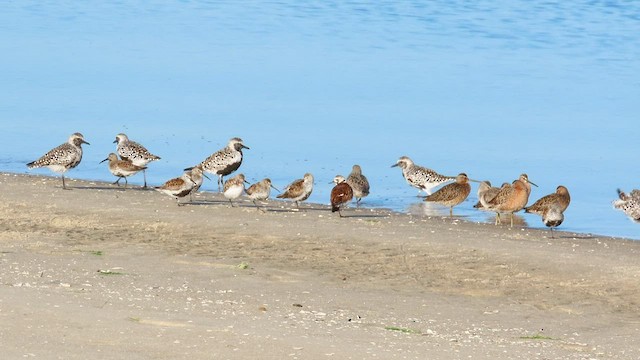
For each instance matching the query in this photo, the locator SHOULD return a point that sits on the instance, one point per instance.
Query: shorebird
(419, 177)
(196, 175)
(234, 187)
(629, 204)
(122, 168)
(341, 194)
(358, 183)
(486, 193)
(452, 194)
(134, 152)
(512, 198)
(224, 161)
(551, 207)
(63, 157)
(177, 187)
(260, 191)
(299, 190)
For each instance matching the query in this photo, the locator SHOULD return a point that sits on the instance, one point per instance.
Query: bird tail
(280, 196)
(31, 165)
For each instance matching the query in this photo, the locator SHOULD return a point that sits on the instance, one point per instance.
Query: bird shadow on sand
(110, 187)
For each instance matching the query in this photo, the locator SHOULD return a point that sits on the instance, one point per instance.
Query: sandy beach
(103, 273)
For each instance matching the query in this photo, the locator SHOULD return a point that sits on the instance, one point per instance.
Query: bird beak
(115, 141)
(247, 182)
(85, 142)
(103, 160)
(476, 181)
(394, 165)
(245, 147)
(275, 188)
(531, 183)
(205, 175)
(189, 168)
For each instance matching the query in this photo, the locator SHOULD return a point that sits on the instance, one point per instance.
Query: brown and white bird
(358, 183)
(629, 204)
(551, 207)
(196, 175)
(419, 177)
(177, 187)
(224, 161)
(234, 187)
(134, 152)
(122, 168)
(299, 190)
(341, 194)
(63, 157)
(512, 198)
(452, 194)
(486, 193)
(260, 191)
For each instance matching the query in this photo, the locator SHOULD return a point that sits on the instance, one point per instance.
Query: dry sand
(102, 273)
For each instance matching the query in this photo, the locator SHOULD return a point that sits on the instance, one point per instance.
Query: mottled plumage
(234, 187)
(452, 194)
(260, 191)
(299, 190)
(177, 187)
(358, 183)
(63, 157)
(224, 161)
(629, 204)
(134, 152)
(122, 168)
(341, 194)
(551, 207)
(512, 198)
(486, 193)
(197, 177)
(420, 177)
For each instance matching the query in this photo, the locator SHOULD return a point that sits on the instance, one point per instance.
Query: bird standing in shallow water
(299, 190)
(629, 204)
(134, 152)
(486, 193)
(341, 194)
(420, 177)
(260, 191)
(551, 207)
(63, 157)
(122, 168)
(177, 187)
(452, 194)
(224, 161)
(234, 187)
(358, 183)
(512, 198)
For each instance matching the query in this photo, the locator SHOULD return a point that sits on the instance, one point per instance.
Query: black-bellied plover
(177, 187)
(512, 198)
(419, 177)
(122, 168)
(551, 207)
(260, 191)
(629, 204)
(341, 194)
(136, 153)
(224, 161)
(358, 183)
(452, 194)
(299, 190)
(234, 187)
(63, 157)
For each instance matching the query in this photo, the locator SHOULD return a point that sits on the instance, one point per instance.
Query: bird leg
(144, 173)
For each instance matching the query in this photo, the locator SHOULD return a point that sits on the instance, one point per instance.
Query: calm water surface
(490, 88)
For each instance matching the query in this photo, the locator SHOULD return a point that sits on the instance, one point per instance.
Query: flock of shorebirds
(131, 158)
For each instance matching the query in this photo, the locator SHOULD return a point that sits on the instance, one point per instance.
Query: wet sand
(102, 273)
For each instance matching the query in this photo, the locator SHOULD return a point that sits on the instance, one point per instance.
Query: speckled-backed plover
(419, 177)
(63, 157)
(224, 161)
(134, 152)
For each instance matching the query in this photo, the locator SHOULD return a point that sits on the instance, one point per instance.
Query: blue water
(490, 88)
